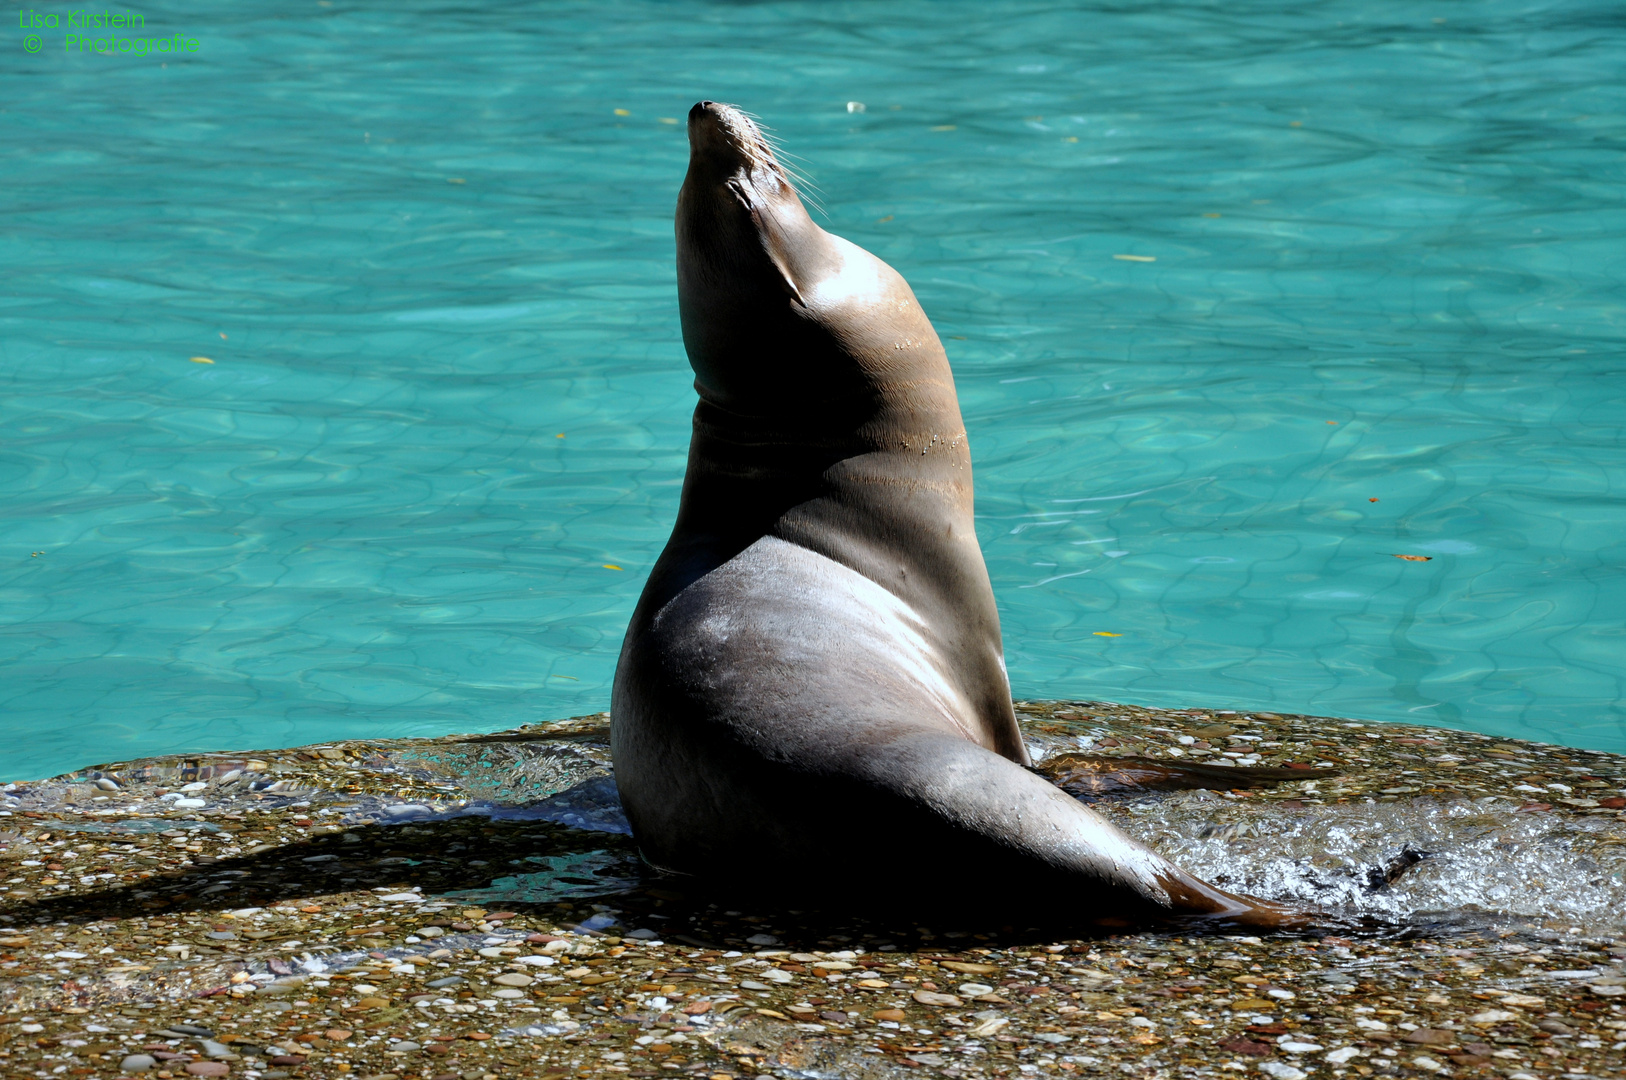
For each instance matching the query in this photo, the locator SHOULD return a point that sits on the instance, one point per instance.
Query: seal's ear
(743, 193)
(785, 279)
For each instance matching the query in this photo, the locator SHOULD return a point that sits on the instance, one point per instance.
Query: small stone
(1342, 1055)
(218, 1050)
(450, 980)
(208, 1068)
(975, 989)
(190, 1029)
(1430, 1037)
(138, 1063)
(406, 1047)
(222, 935)
(508, 993)
(1281, 1072)
(1492, 1016)
(928, 997)
(887, 1014)
(1300, 1047)
(752, 984)
(372, 1003)
(513, 978)
(288, 1059)
(988, 1025)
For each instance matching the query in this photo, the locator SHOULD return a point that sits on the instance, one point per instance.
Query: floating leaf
(1414, 558)
(1106, 633)
(1136, 258)
(200, 359)
(623, 112)
(611, 566)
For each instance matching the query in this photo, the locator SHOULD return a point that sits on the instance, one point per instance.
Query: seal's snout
(725, 139)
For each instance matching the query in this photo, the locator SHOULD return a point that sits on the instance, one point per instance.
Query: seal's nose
(707, 127)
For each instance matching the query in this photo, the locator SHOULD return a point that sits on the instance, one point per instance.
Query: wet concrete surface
(468, 908)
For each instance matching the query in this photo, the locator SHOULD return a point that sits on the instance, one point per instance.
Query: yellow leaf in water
(1136, 258)
(883, 220)
(456, 180)
(1071, 138)
(667, 119)
(1211, 215)
(1415, 558)
(201, 360)
(610, 566)
(560, 435)
(622, 112)
(945, 127)
(1106, 633)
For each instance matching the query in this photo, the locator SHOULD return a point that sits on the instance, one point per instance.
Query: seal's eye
(742, 192)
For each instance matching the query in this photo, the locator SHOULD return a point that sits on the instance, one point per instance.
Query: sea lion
(811, 697)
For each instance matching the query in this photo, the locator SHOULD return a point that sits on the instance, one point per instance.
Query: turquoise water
(420, 245)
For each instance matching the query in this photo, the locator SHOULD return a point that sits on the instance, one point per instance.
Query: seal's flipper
(1093, 777)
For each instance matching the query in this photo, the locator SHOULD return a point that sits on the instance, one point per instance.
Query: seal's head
(740, 221)
(778, 313)
(726, 145)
